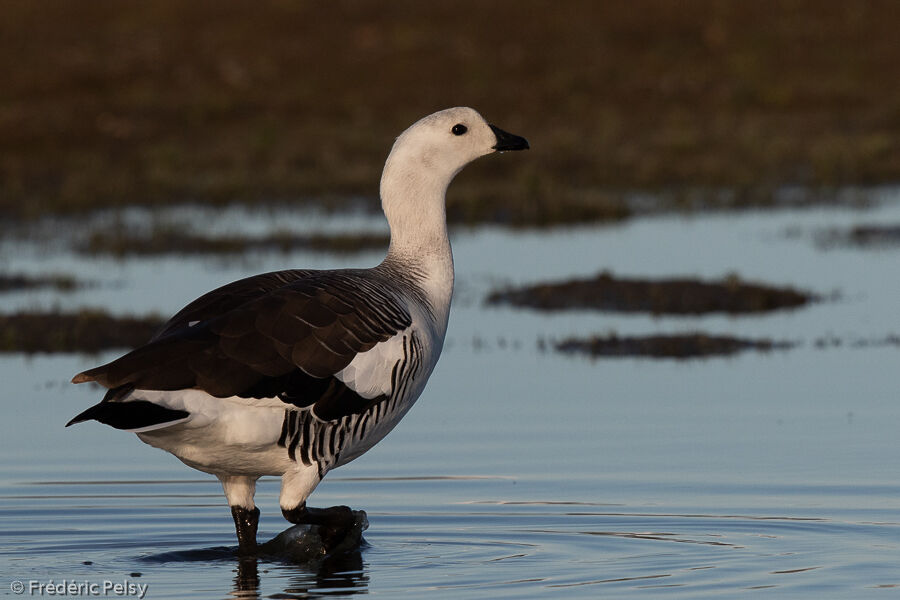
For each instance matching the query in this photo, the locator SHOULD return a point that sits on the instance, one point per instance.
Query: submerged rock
(307, 543)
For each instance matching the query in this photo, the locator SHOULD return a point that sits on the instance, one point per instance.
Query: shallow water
(521, 472)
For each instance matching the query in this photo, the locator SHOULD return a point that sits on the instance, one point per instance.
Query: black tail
(134, 414)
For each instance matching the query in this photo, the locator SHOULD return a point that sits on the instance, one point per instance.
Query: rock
(305, 543)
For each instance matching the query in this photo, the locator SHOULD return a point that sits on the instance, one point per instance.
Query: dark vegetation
(704, 103)
(606, 292)
(690, 345)
(84, 331)
(175, 240)
(862, 236)
(700, 345)
(832, 341)
(15, 282)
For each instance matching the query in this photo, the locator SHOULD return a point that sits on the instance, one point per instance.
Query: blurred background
(672, 355)
(704, 103)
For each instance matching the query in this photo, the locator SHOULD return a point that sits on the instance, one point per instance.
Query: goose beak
(508, 141)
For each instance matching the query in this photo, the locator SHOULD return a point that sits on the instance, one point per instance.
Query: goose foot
(339, 527)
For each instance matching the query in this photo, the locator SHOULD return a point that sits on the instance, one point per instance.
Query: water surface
(520, 472)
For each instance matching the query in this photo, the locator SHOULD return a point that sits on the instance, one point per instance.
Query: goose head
(427, 156)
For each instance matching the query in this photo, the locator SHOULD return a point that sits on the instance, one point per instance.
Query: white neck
(412, 196)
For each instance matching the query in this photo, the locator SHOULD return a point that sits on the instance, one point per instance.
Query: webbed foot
(339, 527)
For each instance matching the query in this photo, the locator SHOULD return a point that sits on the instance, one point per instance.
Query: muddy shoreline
(13, 282)
(83, 331)
(122, 242)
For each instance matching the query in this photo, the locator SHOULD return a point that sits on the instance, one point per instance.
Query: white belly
(224, 435)
(254, 437)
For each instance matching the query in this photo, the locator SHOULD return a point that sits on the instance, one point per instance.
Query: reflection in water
(324, 575)
(342, 574)
(246, 581)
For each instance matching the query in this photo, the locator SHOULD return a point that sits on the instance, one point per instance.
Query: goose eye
(459, 129)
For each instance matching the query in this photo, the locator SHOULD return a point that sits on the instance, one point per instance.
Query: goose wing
(284, 334)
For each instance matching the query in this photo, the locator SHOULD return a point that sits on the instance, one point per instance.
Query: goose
(293, 373)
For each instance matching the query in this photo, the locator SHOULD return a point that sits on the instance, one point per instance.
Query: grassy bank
(108, 103)
(682, 296)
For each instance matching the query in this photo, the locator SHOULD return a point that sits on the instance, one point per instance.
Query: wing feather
(285, 333)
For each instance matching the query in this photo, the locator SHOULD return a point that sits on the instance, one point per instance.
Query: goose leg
(239, 491)
(246, 522)
(334, 524)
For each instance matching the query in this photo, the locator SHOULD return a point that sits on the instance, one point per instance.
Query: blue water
(520, 472)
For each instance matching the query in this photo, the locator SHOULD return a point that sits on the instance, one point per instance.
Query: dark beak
(507, 141)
